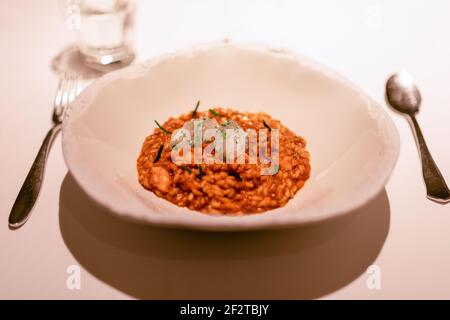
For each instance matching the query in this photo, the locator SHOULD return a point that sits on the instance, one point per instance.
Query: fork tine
(75, 87)
(72, 89)
(65, 89)
(59, 93)
(68, 89)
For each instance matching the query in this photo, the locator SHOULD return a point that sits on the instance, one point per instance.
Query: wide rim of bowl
(237, 223)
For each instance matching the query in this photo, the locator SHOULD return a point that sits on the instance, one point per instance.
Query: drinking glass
(104, 29)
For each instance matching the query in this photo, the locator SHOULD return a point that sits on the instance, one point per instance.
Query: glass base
(109, 61)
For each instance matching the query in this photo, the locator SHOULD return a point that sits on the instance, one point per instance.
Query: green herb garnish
(277, 169)
(186, 169)
(235, 174)
(163, 130)
(194, 113)
(267, 126)
(215, 113)
(158, 155)
(200, 174)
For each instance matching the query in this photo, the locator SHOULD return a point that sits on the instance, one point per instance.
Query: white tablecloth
(405, 236)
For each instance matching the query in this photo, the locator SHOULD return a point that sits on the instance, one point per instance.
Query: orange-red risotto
(222, 188)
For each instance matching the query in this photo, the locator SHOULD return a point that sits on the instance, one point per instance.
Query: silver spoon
(403, 95)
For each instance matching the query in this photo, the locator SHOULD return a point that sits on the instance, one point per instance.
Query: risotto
(224, 188)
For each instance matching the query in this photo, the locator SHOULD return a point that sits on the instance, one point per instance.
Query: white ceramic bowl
(352, 141)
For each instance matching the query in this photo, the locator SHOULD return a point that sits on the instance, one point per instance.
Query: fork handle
(32, 185)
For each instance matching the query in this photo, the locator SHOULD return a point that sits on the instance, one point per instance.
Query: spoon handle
(437, 189)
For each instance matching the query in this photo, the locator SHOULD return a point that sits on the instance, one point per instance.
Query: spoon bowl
(402, 93)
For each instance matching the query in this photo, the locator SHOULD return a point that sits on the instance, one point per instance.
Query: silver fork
(68, 89)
